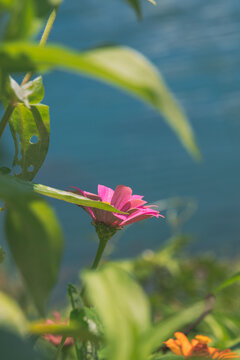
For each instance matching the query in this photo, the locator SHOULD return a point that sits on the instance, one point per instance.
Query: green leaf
(21, 20)
(2, 254)
(14, 190)
(73, 329)
(123, 309)
(35, 241)
(166, 328)
(165, 357)
(34, 90)
(11, 316)
(73, 198)
(135, 4)
(118, 66)
(32, 127)
(230, 281)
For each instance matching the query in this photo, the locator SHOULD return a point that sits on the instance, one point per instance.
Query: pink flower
(123, 200)
(56, 339)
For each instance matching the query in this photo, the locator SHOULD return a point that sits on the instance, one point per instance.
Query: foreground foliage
(110, 314)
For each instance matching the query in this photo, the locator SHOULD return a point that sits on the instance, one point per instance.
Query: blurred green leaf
(73, 329)
(230, 281)
(166, 328)
(35, 240)
(20, 24)
(32, 127)
(11, 316)
(123, 309)
(135, 4)
(2, 254)
(15, 190)
(119, 66)
(158, 356)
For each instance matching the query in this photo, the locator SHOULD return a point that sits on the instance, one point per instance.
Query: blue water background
(101, 135)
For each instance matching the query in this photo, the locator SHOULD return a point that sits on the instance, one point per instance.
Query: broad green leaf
(36, 242)
(118, 66)
(166, 328)
(11, 316)
(32, 127)
(14, 190)
(123, 309)
(234, 278)
(20, 23)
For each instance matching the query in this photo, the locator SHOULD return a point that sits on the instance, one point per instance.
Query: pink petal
(139, 215)
(136, 197)
(121, 195)
(133, 204)
(105, 193)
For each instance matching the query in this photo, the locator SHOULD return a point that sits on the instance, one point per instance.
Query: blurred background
(102, 136)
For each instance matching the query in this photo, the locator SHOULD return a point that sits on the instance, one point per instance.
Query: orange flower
(197, 347)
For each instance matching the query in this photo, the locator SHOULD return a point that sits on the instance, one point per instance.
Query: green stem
(44, 37)
(60, 347)
(6, 116)
(101, 247)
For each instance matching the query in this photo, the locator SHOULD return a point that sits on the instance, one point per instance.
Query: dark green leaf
(35, 241)
(119, 66)
(2, 254)
(32, 127)
(135, 4)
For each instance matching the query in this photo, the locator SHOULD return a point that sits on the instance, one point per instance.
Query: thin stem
(6, 116)
(100, 250)
(60, 347)
(44, 37)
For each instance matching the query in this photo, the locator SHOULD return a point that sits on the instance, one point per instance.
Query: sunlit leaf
(34, 90)
(123, 309)
(36, 242)
(11, 316)
(14, 190)
(73, 329)
(119, 66)
(32, 127)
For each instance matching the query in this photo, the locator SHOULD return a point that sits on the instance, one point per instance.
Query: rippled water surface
(101, 135)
